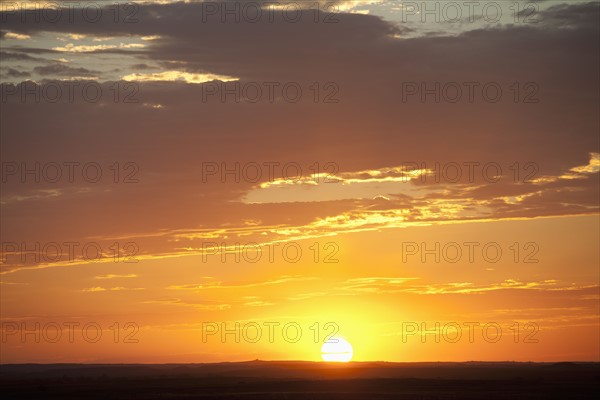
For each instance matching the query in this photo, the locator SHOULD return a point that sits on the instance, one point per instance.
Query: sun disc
(336, 349)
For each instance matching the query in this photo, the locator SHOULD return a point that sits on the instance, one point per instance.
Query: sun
(336, 349)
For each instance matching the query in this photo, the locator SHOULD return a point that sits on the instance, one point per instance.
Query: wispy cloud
(115, 276)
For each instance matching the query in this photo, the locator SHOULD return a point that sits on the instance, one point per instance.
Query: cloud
(115, 276)
(405, 285)
(60, 69)
(13, 73)
(94, 289)
(177, 76)
(75, 36)
(258, 304)
(112, 289)
(211, 284)
(71, 48)
(208, 306)
(368, 134)
(16, 36)
(7, 56)
(140, 66)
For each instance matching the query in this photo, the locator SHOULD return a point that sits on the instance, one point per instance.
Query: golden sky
(214, 190)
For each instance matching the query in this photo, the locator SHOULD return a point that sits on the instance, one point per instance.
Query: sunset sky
(365, 168)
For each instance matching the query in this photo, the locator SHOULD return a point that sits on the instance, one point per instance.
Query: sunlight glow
(336, 349)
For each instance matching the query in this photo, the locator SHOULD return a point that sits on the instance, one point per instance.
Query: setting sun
(336, 349)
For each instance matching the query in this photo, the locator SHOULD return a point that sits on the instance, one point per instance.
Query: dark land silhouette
(302, 380)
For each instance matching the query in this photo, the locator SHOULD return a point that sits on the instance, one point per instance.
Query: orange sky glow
(421, 190)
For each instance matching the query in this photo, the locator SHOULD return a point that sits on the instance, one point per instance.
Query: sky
(227, 181)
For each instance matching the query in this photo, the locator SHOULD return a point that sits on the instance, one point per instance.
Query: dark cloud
(61, 69)
(13, 73)
(581, 16)
(6, 56)
(141, 66)
(170, 131)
